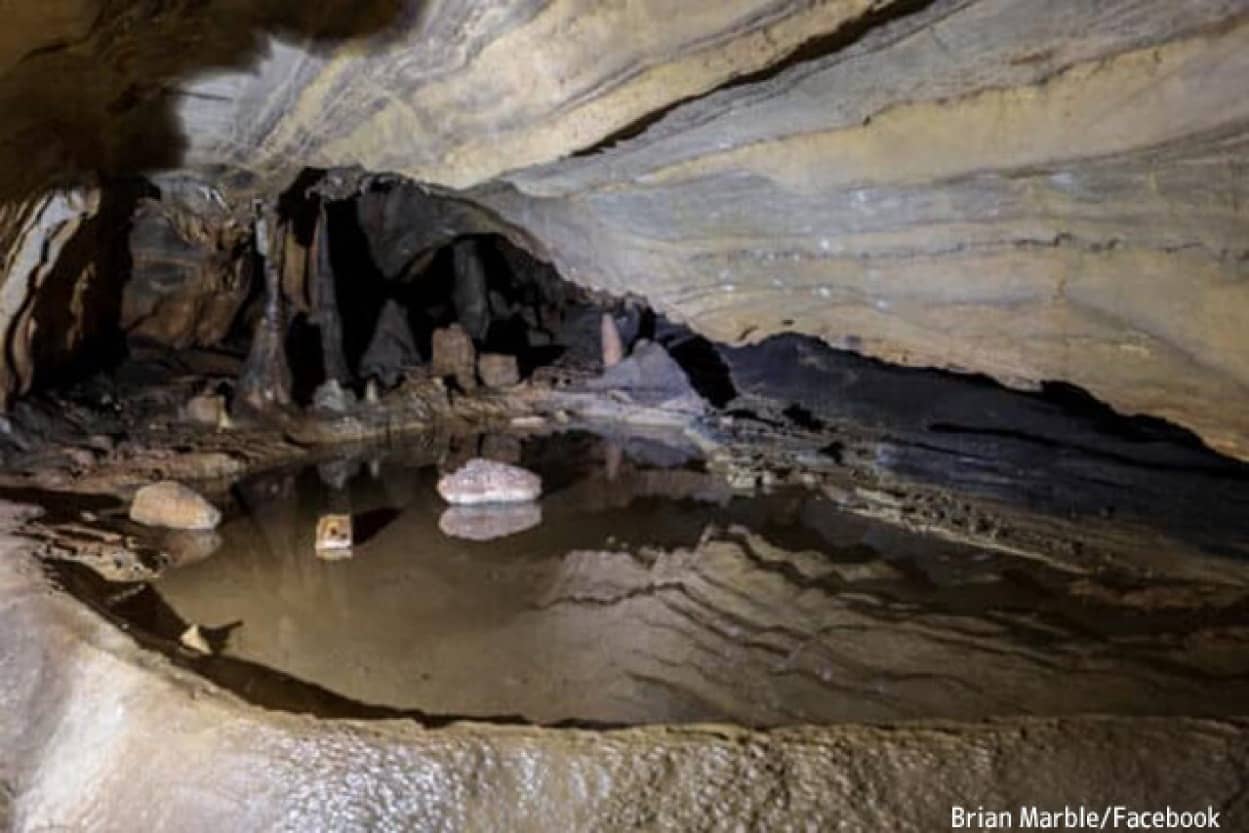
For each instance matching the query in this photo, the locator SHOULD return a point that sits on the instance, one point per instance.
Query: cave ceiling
(1031, 191)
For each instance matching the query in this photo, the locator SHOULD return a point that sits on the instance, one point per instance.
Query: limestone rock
(650, 377)
(454, 355)
(209, 409)
(332, 397)
(486, 523)
(469, 295)
(193, 639)
(489, 481)
(613, 347)
(983, 186)
(392, 348)
(174, 506)
(498, 370)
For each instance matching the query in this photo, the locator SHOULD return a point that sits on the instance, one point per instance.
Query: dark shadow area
(77, 308)
(1060, 450)
(105, 101)
(365, 525)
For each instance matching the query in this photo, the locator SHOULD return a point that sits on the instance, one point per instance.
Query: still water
(642, 591)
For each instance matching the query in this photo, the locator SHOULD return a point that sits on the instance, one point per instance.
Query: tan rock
(613, 347)
(208, 409)
(454, 355)
(334, 532)
(498, 370)
(193, 639)
(171, 505)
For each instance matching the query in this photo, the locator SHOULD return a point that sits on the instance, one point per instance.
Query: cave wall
(1030, 192)
(34, 234)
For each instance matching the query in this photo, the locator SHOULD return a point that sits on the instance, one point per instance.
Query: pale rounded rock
(171, 505)
(489, 481)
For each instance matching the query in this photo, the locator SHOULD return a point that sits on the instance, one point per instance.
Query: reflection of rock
(392, 348)
(337, 473)
(173, 506)
(188, 546)
(498, 370)
(454, 355)
(489, 481)
(486, 522)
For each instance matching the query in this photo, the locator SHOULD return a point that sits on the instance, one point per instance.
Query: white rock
(489, 481)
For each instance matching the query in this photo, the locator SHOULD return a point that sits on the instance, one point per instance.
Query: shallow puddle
(650, 593)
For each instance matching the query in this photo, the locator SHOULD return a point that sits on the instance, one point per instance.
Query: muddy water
(650, 593)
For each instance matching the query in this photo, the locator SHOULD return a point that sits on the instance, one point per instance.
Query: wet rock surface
(174, 506)
(258, 769)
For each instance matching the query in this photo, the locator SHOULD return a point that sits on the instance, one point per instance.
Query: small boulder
(489, 481)
(485, 523)
(173, 506)
(209, 409)
(455, 355)
(498, 370)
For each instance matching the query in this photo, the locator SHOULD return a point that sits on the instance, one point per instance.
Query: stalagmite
(470, 296)
(265, 381)
(613, 347)
(325, 303)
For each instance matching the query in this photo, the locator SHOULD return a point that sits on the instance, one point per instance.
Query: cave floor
(731, 603)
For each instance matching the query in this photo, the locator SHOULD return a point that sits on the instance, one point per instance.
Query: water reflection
(649, 593)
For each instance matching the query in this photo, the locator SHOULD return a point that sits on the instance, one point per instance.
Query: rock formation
(977, 185)
(173, 506)
(481, 481)
(497, 370)
(455, 356)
